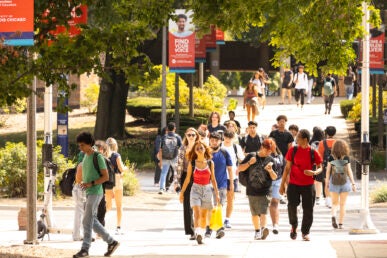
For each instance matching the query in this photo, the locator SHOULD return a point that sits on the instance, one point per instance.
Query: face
(301, 69)
(281, 123)
(84, 147)
(191, 135)
(231, 115)
(293, 132)
(231, 127)
(300, 140)
(214, 143)
(227, 140)
(215, 118)
(199, 148)
(181, 24)
(252, 129)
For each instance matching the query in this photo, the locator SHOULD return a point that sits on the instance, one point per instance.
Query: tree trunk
(110, 121)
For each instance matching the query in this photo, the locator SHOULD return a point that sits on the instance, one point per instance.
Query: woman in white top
(301, 81)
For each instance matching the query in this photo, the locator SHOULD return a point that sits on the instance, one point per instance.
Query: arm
(285, 177)
(269, 169)
(244, 166)
(214, 184)
(231, 177)
(121, 166)
(350, 175)
(78, 175)
(328, 175)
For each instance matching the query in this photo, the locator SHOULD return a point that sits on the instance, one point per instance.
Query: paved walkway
(157, 231)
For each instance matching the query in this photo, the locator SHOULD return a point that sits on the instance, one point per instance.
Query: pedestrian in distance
(286, 86)
(329, 91)
(339, 165)
(301, 85)
(250, 101)
(260, 174)
(236, 155)
(232, 126)
(265, 80)
(299, 172)
(92, 182)
(231, 116)
(223, 172)
(349, 82)
(168, 151)
(293, 129)
(156, 148)
(117, 193)
(317, 136)
(191, 136)
(201, 170)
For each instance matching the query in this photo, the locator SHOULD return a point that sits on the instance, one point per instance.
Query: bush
(141, 107)
(346, 106)
(19, 106)
(232, 104)
(130, 181)
(90, 97)
(378, 160)
(379, 194)
(13, 163)
(200, 116)
(136, 151)
(355, 113)
(275, 82)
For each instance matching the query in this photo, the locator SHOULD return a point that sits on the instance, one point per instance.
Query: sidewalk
(154, 226)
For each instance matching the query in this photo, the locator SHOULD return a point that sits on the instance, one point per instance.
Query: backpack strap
(294, 153)
(236, 153)
(95, 162)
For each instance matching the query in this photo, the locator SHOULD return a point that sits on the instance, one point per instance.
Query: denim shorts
(258, 204)
(275, 186)
(201, 195)
(340, 188)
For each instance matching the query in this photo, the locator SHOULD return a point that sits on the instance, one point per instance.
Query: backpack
(339, 171)
(315, 144)
(67, 181)
(169, 149)
(111, 182)
(327, 153)
(257, 176)
(328, 87)
(311, 155)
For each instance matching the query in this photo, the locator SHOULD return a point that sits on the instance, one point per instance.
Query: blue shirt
(221, 160)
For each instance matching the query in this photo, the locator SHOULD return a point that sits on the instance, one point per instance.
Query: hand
(309, 172)
(217, 199)
(160, 165)
(282, 189)
(244, 106)
(252, 160)
(353, 187)
(269, 166)
(181, 197)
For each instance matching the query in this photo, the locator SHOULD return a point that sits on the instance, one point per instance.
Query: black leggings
(187, 210)
(328, 102)
(299, 93)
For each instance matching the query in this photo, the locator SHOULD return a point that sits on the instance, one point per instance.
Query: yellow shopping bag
(216, 221)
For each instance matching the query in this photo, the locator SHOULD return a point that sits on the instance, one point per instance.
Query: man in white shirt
(301, 81)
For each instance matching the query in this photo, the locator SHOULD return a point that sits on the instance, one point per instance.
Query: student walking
(328, 92)
(92, 181)
(339, 180)
(286, 88)
(201, 169)
(301, 81)
(299, 168)
(250, 101)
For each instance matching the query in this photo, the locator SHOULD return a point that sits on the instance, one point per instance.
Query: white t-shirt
(301, 80)
(260, 86)
(240, 154)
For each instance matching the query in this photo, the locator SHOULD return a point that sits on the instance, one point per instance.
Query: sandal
(334, 224)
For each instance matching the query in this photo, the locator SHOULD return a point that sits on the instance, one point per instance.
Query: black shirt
(250, 144)
(282, 139)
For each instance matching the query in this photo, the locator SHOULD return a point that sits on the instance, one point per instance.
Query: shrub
(379, 194)
(130, 181)
(378, 160)
(136, 151)
(275, 82)
(200, 116)
(13, 163)
(346, 106)
(232, 104)
(141, 107)
(90, 97)
(355, 113)
(217, 92)
(19, 106)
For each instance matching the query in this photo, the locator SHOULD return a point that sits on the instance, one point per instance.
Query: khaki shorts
(119, 182)
(258, 204)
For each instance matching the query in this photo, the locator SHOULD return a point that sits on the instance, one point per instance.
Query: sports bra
(202, 176)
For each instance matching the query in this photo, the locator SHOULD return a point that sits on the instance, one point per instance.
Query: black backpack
(169, 148)
(111, 182)
(67, 181)
(327, 154)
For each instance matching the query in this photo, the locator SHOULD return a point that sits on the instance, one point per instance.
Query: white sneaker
(118, 231)
(328, 202)
(275, 229)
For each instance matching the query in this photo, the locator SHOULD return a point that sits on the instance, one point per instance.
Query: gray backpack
(169, 148)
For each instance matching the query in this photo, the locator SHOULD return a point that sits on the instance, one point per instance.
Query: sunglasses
(199, 148)
(191, 135)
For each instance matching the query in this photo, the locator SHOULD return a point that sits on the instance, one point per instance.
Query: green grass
(379, 194)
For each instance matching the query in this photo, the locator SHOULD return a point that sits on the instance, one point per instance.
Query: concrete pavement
(158, 230)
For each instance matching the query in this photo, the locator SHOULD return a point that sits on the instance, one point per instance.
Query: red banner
(181, 53)
(377, 49)
(17, 22)
(219, 37)
(200, 50)
(210, 39)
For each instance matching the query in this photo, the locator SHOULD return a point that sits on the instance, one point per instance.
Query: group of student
(92, 200)
(214, 157)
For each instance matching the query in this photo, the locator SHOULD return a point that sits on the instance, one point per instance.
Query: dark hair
(85, 137)
(229, 134)
(216, 135)
(330, 130)
(252, 123)
(231, 112)
(212, 114)
(182, 15)
(293, 127)
(171, 126)
(318, 134)
(305, 134)
(282, 117)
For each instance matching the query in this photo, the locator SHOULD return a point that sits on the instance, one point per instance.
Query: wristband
(92, 183)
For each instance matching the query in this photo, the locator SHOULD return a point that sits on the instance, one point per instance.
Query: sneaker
(257, 235)
(282, 201)
(192, 237)
(111, 248)
(220, 233)
(328, 202)
(317, 200)
(293, 233)
(227, 224)
(265, 233)
(334, 224)
(82, 253)
(199, 239)
(208, 232)
(118, 231)
(161, 191)
(305, 237)
(341, 226)
(275, 229)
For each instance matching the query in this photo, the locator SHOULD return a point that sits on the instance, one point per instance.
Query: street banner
(210, 39)
(200, 50)
(219, 37)
(17, 22)
(376, 51)
(181, 36)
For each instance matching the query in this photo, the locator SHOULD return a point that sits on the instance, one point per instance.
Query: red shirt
(202, 176)
(302, 161)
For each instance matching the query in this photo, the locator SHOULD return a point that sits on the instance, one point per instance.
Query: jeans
(164, 171)
(349, 91)
(307, 194)
(90, 222)
(299, 93)
(328, 100)
(157, 172)
(79, 197)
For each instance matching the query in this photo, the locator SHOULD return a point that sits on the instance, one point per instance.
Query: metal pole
(201, 74)
(31, 167)
(164, 79)
(177, 106)
(366, 226)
